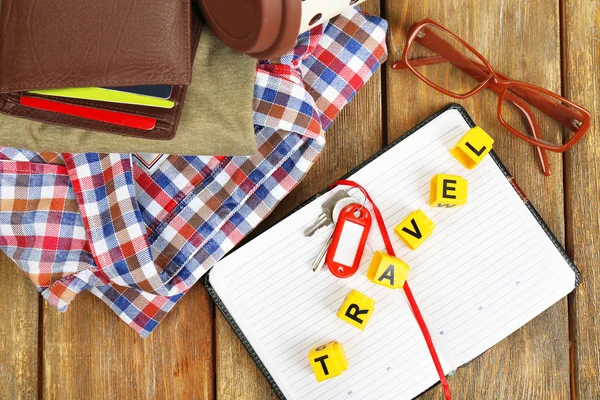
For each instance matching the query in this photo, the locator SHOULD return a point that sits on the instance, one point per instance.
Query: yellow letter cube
(357, 309)
(387, 271)
(448, 191)
(328, 361)
(415, 229)
(473, 147)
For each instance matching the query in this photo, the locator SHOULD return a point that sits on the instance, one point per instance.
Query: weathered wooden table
(89, 353)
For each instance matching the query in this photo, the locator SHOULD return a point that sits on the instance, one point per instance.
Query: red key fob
(349, 240)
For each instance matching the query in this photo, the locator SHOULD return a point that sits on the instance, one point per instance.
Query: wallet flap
(74, 43)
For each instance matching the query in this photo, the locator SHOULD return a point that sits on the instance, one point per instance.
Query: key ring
(364, 203)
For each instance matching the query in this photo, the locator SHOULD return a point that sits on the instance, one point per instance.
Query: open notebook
(490, 267)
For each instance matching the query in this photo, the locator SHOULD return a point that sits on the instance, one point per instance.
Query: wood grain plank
(89, 353)
(522, 40)
(582, 82)
(19, 313)
(354, 137)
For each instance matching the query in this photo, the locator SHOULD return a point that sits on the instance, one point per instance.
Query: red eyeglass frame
(578, 121)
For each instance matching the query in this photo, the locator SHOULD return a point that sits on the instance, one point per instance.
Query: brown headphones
(267, 29)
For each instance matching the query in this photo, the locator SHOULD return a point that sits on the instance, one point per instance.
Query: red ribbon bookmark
(409, 295)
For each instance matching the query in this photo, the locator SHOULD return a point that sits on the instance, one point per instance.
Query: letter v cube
(357, 309)
(415, 229)
(387, 271)
(473, 147)
(328, 361)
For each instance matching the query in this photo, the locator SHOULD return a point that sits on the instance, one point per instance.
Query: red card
(110, 117)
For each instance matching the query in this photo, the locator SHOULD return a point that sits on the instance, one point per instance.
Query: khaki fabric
(216, 118)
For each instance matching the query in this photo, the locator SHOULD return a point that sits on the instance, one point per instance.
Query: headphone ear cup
(263, 29)
(288, 35)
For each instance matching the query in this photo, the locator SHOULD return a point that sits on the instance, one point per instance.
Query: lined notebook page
(488, 269)
(285, 310)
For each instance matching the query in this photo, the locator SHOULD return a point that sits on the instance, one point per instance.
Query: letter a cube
(387, 271)
(357, 309)
(473, 147)
(415, 229)
(448, 191)
(328, 361)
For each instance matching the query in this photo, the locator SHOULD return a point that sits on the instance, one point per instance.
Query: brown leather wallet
(86, 43)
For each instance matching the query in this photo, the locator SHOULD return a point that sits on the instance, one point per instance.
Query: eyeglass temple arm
(526, 110)
(448, 53)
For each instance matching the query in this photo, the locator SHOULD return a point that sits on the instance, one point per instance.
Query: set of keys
(344, 247)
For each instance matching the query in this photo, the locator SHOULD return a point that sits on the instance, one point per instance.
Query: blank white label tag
(348, 244)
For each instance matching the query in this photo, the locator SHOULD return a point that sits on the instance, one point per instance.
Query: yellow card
(107, 95)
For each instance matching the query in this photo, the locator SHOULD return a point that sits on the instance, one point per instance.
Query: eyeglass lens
(540, 116)
(448, 63)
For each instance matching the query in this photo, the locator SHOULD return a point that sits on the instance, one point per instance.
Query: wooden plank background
(89, 353)
(581, 63)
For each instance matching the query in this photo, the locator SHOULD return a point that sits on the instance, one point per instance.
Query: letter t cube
(328, 361)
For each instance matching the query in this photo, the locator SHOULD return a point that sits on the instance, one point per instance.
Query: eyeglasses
(450, 65)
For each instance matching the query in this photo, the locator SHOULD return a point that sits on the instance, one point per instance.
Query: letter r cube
(328, 361)
(448, 191)
(357, 309)
(473, 147)
(415, 229)
(388, 271)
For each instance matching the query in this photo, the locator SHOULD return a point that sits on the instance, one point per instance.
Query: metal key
(326, 217)
(337, 209)
(320, 260)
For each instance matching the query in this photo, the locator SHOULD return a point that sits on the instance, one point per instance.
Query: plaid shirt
(139, 230)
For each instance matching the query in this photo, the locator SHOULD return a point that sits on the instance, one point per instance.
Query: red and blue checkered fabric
(139, 230)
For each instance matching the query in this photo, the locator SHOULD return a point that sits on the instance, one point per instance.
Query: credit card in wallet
(158, 91)
(106, 95)
(110, 117)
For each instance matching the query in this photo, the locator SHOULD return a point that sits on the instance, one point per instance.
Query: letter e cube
(473, 147)
(415, 229)
(387, 271)
(448, 191)
(328, 361)
(357, 309)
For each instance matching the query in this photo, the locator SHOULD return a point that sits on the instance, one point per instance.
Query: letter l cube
(473, 147)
